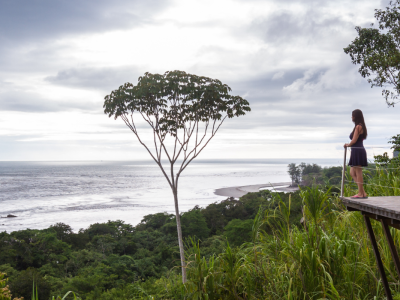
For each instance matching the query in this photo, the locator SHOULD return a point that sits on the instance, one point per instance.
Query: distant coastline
(79, 194)
(239, 191)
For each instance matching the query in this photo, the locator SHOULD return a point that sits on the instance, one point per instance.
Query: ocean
(81, 193)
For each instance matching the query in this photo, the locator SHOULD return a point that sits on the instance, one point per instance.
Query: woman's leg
(360, 182)
(353, 174)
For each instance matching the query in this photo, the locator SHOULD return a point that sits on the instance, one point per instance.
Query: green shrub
(238, 231)
(21, 286)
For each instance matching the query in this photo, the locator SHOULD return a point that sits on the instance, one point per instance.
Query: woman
(358, 157)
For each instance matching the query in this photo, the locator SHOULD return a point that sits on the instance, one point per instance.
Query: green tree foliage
(100, 229)
(309, 174)
(384, 160)
(111, 256)
(238, 231)
(309, 169)
(155, 221)
(395, 141)
(294, 173)
(376, 50)
(33, 248)
(333, 175)
(21, 286)
(194, 224)
(62, 230)
(184, 112)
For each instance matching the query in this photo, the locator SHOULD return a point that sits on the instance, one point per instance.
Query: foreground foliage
(266, 245)
(113, 255)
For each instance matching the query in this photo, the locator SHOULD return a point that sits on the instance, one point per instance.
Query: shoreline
(239, 191)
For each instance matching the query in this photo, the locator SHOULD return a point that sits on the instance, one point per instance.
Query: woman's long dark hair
(358, 119)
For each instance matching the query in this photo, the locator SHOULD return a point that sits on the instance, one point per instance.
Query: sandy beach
(239, 191)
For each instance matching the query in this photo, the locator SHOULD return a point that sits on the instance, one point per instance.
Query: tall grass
(5, 293)
(73, 296)
(378, 182)
(328, 257)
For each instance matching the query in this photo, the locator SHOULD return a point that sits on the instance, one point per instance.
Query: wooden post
(378, 258)
(392, 248)
(343, 172)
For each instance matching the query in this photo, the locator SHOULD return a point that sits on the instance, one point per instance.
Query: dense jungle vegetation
(266, 245)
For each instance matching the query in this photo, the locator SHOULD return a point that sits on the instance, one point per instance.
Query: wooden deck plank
(388, 207)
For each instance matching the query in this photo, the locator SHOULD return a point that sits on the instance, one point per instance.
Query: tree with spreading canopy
(377, 50)
(184, 112)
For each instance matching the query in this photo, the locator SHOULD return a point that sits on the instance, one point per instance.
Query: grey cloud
(32, 59)
(105, 79)
(331, 94)
(294, 118)
(271, 104)
(314, 24)
(30, 30)
(340, 76)
(287, 27)
(37, 19)
(305, 83)
(264, 88)
(18, 99)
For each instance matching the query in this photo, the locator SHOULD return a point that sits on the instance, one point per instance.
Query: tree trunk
(180, 240)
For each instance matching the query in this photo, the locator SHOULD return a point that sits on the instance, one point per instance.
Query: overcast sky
(58, 59)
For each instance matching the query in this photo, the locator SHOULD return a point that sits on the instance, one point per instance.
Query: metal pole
(343, 173)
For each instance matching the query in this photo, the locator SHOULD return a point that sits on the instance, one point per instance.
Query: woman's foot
(358, 196)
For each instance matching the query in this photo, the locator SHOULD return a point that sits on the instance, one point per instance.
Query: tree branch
(184, 163)
(134, 130)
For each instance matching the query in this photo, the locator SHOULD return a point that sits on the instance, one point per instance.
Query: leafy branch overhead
(176, 101)
(377, 51)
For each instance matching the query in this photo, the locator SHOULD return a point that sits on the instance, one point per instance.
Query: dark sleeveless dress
(358, 156)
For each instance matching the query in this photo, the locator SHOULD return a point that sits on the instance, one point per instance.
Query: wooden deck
(386, 210)
(387, 207)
